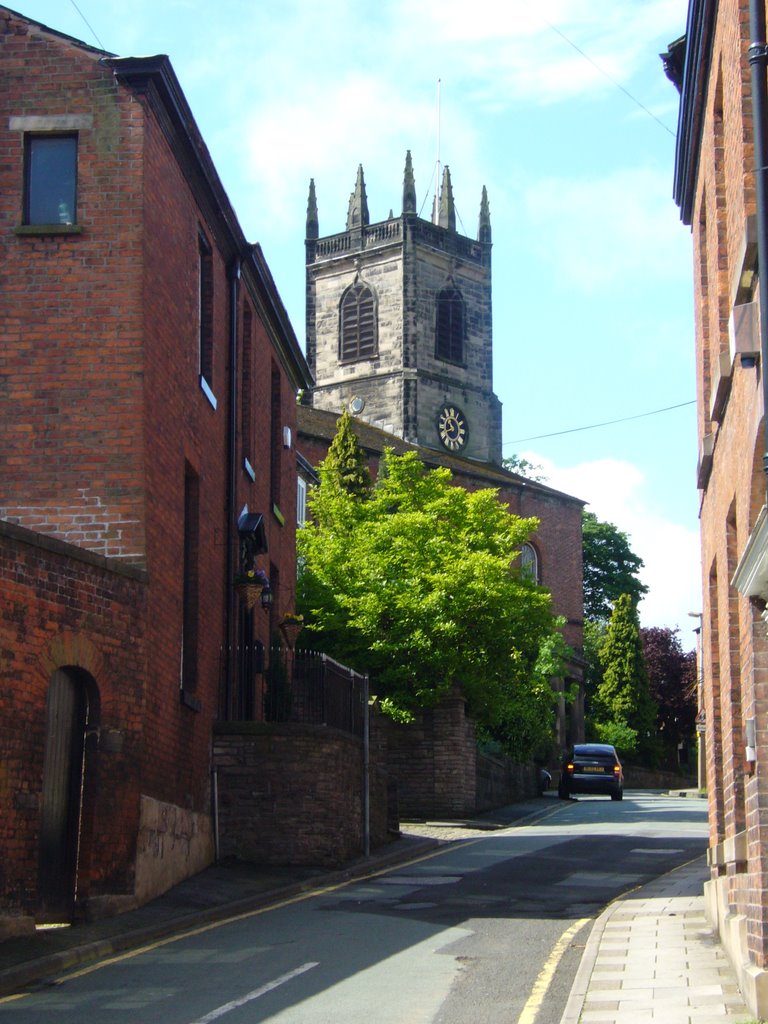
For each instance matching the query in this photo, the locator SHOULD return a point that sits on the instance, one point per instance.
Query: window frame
(450, 338)
(301, 500)
(33, 140)
(190, 619)
(205, 299)
(354, 347)
(532, 566)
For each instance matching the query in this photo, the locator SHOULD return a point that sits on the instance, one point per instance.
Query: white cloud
(599, 231)
(617, 493)
(517, 51)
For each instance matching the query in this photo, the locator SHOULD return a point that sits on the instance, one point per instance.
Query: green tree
(346, 466)
(611, 568)
(672, 681)
(623, 697)
(417, 585)
(594, 638)
(517, 464)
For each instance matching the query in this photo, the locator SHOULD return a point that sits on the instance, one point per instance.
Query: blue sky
(593, 315)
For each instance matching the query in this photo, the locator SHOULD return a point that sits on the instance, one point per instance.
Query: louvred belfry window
(358, 324)
(449, 340)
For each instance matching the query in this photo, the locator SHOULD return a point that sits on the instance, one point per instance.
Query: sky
(564, 112)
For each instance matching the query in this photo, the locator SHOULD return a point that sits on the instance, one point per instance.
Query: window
(529, 562)
(246, 385)
(275, 440)
(205, 311)
(301, 501)
(190, 582)
(449, 334)
(358, 323)
(50, 179)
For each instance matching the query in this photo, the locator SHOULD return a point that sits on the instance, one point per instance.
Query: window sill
(205, 387)
(49, 229)
(188, 701)
(278, 514)
(351, 360)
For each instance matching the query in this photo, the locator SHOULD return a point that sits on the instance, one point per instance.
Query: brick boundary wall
(439, 772)
(501, 782)
(63, 607)
(292, 794)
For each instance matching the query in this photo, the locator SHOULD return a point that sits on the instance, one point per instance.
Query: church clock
(452, 428)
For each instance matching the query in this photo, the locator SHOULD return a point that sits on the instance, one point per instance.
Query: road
(490, 928)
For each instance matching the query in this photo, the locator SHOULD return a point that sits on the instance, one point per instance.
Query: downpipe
(758, 60)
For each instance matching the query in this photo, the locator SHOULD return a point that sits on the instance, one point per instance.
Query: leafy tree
(623, 695)
(610, 567)
(413, 585)
(672, 680)
(594, 638)
(346, 466)
(517, 464)
(618, 734)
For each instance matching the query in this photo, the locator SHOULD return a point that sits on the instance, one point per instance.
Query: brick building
(399, 331)
(149, 377)
(715, 188)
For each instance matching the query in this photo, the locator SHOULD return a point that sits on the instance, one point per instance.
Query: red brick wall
(735, 668)
(433, 762)
(292, 794)
(181, 428)
(100, 357)
(62, 608)
(72, 452)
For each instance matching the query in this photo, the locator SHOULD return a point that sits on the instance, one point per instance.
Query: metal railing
(311, 688)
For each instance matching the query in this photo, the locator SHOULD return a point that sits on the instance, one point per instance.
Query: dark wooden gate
(67, 720)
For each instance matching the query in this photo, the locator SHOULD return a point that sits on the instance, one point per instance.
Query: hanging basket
(290, 629)
(249, 593)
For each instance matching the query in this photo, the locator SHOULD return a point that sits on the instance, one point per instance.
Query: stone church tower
(399, 322)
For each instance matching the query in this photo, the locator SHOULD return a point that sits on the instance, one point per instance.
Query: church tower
(399, 326)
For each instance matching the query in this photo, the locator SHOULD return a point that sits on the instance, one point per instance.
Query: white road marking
(638, 849)
(255, 994)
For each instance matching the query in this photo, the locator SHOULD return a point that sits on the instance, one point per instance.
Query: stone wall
(173, 844)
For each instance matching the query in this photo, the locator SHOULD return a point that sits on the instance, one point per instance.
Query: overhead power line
(93, 30)
(606, 423)
(605, 74)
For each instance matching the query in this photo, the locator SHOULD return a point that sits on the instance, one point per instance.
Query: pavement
(650, 955)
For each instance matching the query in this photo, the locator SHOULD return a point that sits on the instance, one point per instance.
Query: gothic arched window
(449, 334)
(529, 562)
(358, 334)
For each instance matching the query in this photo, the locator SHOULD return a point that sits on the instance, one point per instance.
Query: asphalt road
(488, 929)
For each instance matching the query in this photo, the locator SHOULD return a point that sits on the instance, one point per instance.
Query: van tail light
(569, 767)
(616, 769)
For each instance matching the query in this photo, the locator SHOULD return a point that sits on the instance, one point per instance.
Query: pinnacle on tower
(357, 216)
(447, 215)
(484, 222)
(313, 225)
(409, 186)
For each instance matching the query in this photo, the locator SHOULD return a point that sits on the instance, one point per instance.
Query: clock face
(452, 428)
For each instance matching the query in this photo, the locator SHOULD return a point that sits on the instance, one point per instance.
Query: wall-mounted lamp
(267, 597)
(252, 536)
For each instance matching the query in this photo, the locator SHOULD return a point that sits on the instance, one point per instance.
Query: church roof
(320, 425)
